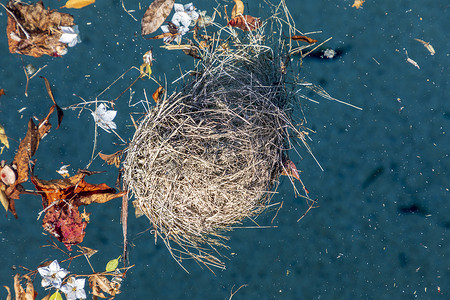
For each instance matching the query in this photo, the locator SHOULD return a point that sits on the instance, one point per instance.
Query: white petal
(81, 294)
(165, 28)
(79, 283)
(178, 7)
(183, 30)
(189, 7)
(45, 282)
(181, 17)
(109, 115)
(70, 35)
(44, 271)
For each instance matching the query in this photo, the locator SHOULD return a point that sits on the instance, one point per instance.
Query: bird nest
(207, 158)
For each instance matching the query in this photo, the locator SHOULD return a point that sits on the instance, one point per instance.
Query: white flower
(104, 118)
(52, 275)
(183, 17)
(70, 35)
(74, 289)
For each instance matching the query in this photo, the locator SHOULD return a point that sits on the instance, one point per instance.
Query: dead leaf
(3, 137)
(20, 293)
(158, 94)
(2, 92)
(238, 9)
(35, 31)
(290, 170)
(358, 3)
(155, 15)
(78, 3)
(3, 199)
(303, 38)
(59, 111)
(246, 23)
(61, 199)
(74, 190)
(112, 158)
(99, 285)
(9, 292)
(87, 251)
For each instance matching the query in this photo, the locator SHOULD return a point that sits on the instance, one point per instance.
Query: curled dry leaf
(238, 9)
(33, 30)
(78, 3)
(246, 23)
(112, 158)
(87, 251)
(155, 15)
(100, 285)
(303, 38)
(21, 293)
(59, 111)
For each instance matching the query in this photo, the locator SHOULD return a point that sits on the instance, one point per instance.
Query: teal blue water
(382, 226)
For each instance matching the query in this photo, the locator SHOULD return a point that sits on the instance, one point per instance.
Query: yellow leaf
(238, 9)
(56, 296)
(3, 137)
(112, 264)
(78, 3)
(4, 200)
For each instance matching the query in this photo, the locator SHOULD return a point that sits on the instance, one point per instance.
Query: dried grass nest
(208, 157)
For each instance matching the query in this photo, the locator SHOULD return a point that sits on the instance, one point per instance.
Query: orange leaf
(358, 3)
(112, 158)
(158, 93)
(290, 170)
(78, 3)
(2, 92)
(246, 23)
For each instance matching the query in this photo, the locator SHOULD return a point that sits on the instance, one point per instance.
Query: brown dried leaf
(20, 293)
(2, 92)
(27, 148)
(38, 30)
(100, 284)
(155, 15)
(78, 3)
(112, 158)
(246, 23)
(74, 190)
(87, 251)
(59, 111)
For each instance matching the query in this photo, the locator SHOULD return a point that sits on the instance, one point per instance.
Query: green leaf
(112, 264)
(56, 296)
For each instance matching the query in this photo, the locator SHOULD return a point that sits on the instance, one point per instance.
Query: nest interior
(208, 157)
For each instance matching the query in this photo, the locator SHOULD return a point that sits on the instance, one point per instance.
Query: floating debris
(427, 45)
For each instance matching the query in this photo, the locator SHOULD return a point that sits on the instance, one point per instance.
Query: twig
(20, 26)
